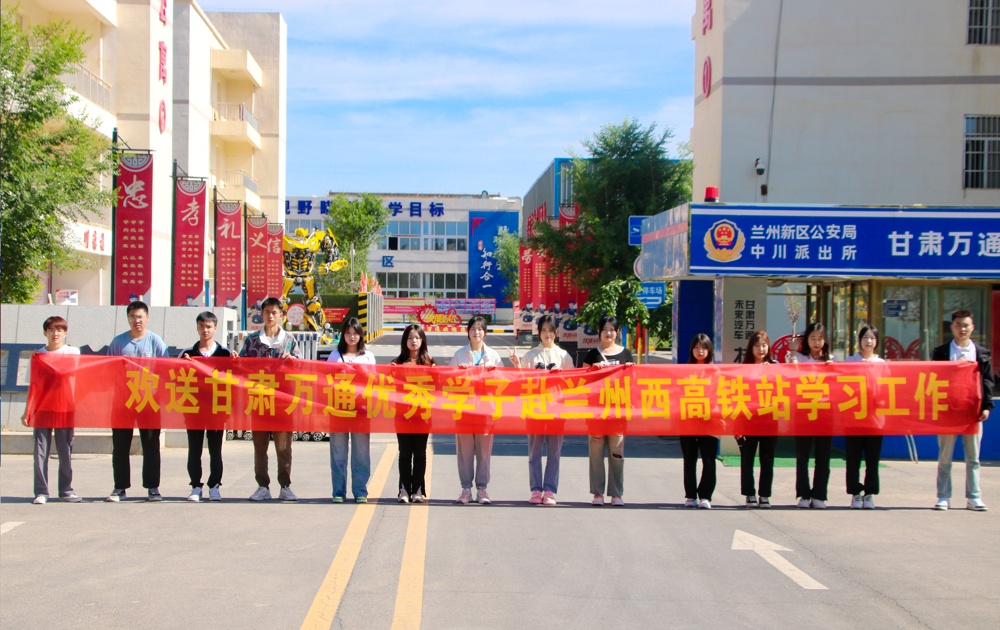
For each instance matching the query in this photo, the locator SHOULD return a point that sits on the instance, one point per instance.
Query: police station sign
(825, 240)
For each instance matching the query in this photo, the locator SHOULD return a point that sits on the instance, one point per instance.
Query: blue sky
(452, 96)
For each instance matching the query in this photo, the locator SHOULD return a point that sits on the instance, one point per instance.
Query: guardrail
(235, 111)
(89, 86)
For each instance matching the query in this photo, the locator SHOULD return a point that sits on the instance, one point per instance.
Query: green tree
(628, 173)
(355, 222)
(51, 163)
(619, 298)
(508, 257)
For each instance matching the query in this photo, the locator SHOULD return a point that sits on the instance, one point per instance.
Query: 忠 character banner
(133, 238)
(294, 395)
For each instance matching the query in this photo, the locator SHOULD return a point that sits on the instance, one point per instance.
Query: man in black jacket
(962, 348)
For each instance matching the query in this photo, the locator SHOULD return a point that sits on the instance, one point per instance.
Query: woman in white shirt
(869, 446)
(814, 348)
(351, 349)
(546, 356)
(468, 446)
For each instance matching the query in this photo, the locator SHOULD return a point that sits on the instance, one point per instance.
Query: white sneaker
(856, 502)
(71, 498)
(804, 504)
(261, 494)
(195, 495)
(481, 497)
(214, 494)
(818, 504)
(868, 503)
(694, 502)
(404, 496)
(598, 499)
(617, 502)
(941, 505)
(465, 497)
(416, 497)
(704, 504)
(40, 499)
(977, 505)
(287, 495)
(118, 494)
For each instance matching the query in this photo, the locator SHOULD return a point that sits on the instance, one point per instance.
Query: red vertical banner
(228, 253)
(275, 259)
(256, 261)
(133, 227)
(189, 242)
(524, 276)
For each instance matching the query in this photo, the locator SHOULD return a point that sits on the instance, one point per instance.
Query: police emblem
(724, 241)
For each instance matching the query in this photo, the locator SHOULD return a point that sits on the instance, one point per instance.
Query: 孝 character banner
(298, 395)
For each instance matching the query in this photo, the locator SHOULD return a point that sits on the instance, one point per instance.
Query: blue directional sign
(652, 294)
(635, 230)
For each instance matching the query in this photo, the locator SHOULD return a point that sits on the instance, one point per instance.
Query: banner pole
(114, 210)
(173, 234)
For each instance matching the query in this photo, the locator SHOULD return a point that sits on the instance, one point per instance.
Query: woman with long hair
(351, 349)
(699, 494)
(814, 348)
(758, 352)
(867, 446)
(412, 446)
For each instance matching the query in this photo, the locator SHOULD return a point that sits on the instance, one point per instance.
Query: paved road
(652, 563)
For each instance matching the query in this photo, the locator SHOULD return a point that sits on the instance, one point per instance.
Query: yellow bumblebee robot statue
(300, 252)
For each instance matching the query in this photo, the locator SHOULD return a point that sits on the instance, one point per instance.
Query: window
(984, 22)
(982, 151)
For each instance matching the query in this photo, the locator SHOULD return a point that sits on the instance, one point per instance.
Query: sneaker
(751, 502)
(598, 499)
(118, 494)
(977, 505)
(549, 498)
(704, 504)
(40, 499)
(694, 502)
(195, 495)
(261, 494)
(338, 499)
(536, 497)
(819, 504)
(868, 503)
(942, 504)
(154, 495)
(804, 504)
(286, 494)
(404, 497)
(617, 502)
(361, 499)
(416, 497)
(856, 502)
(214, 494)
(71, 498)
(481, 497)
(465, 497)
(765, 503)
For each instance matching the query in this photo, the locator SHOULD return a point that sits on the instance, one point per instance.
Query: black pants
(692, 447)
(196, 438)
(821, 471)
(412, 461)
(870, 446)
(748, 452)
(121, 444)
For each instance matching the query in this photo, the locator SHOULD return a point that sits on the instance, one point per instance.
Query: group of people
(606, 452)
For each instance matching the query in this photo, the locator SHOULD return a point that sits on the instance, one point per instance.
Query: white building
(205, 89)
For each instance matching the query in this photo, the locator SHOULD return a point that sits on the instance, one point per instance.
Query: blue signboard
(825, 240)
(653, 294)
(635, 230)
(485, 280)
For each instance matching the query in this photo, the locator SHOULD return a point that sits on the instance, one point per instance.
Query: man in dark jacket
(962, 348)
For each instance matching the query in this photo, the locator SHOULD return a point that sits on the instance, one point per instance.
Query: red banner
(133, 227)
(297, 395)
(189, 242)
(256, 261)
(275, 259)
(228, 253)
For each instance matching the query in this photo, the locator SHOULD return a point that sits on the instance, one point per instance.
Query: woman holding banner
(758, 352)
(699, 495)
(869, 446)
(412, 446)
(814, 348)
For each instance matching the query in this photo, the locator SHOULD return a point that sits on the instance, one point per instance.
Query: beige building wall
(869, 101)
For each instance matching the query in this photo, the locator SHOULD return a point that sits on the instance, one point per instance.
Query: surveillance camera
(760, 170)
(759, 167)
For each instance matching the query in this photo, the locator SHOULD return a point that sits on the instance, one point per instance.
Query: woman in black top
(412, 446)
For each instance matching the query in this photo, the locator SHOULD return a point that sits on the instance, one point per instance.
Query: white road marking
(769, 551)
(9, 525)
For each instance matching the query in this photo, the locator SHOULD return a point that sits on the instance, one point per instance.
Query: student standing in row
(758, 352)
(702, 352)
(545, 356)
(869, 446)
(272, 342)
(412, 446)
(54, 329)
(814, 348)
(205, 347)
(351, 349)
(610, 353)
(479, 446)
(138, 341)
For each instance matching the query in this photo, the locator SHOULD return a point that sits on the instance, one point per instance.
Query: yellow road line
(410, 592)
(331, 591)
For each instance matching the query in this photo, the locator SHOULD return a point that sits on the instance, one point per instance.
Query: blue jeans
(946, 451)
(361, 463)
(551, 479)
